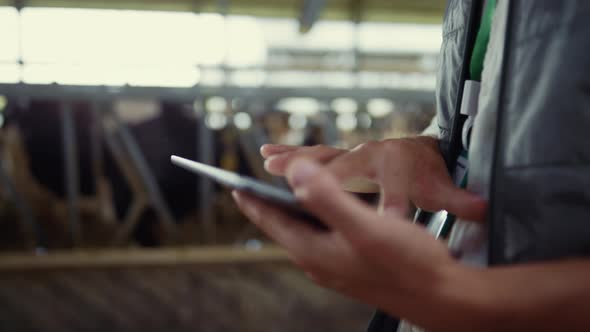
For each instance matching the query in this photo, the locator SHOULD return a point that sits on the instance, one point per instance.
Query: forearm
(530, 297)
(542, 297)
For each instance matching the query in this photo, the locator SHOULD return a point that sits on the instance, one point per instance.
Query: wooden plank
(141, 257)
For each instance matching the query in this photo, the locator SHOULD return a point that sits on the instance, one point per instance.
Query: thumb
(464, 204)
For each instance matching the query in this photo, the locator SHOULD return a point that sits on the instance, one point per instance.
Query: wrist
(452, 298)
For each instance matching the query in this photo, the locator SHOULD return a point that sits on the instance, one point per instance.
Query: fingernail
(302, 170)
(236, 196)
(263, 149)
(266, 162)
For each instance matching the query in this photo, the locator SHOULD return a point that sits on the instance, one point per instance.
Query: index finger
(268, 150)
(354, 169)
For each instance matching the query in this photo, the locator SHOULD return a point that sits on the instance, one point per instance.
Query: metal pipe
(71, 172)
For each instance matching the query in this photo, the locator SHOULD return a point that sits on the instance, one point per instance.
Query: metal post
(205, 189)
(330, 132)
(148, 179)
(30, 225)
(96, 145)
(71, 175)
(103, 199)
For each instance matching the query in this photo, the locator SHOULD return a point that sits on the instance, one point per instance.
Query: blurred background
(99, 231)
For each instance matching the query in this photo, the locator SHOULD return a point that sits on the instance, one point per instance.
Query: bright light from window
(344, 105)
(242, 121)
(379, 108)
(151, 48)
(248, 78)
(292, 79)
(246, 46)
(346, 122)
(216, 121)
(8, 34)
(337, 79)
(140, 37)
(216, 104)
(400, 38)
(211, 39)
(9, 73)
(303, 106)
(395, 80)
(338, 36)
(297, 121)
(325, 35)
(140, 48)
(59, 35)
(165, 76)
(212, 77)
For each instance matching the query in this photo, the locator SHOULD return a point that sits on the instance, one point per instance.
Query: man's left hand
(384, 260)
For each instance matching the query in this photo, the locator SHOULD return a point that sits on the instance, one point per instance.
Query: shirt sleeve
(432, 129)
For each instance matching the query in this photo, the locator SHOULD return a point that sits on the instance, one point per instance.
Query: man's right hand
(406, 170)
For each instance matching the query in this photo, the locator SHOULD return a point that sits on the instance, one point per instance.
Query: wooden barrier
(192, 289)
(140, 257)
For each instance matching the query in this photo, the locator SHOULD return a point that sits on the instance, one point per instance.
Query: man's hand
(382, 260)
(407, 170)
(397, 266)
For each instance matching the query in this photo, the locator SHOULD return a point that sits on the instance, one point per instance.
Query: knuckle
(319, 148)
(365, 244)
(394, 147)
(369, 145)
(321, 185)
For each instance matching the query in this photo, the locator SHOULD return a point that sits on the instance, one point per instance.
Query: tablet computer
(280, 197)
